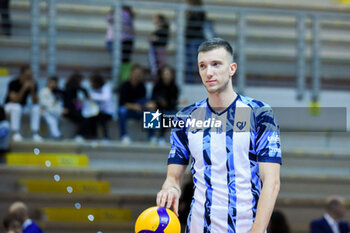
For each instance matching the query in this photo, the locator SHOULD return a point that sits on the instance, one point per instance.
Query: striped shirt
(225, 161)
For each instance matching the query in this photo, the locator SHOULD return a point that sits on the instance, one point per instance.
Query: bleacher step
(47, 159)
(64, 214)
(65, 186)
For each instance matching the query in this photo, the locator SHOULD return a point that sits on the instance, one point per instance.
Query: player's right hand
(169, 196)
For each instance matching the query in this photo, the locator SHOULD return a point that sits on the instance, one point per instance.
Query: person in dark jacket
(165, 94)
(132, 101)
(19, 91)
(74, 96)
(331, 222)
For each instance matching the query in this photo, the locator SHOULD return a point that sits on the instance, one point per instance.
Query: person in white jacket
(51, 105)
(101, 93)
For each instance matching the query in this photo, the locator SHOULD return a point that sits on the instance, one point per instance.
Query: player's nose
(210, 72)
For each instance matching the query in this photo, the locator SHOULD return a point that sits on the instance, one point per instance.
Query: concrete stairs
(314, 166)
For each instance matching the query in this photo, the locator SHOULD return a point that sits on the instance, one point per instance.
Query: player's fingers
(159, 197)
(176, 206)
(170, 200)
(163, 199)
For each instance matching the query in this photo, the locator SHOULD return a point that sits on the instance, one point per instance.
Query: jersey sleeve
(179, 152)
(267, 144)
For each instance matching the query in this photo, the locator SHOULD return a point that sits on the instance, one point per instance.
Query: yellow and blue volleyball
(157, 220)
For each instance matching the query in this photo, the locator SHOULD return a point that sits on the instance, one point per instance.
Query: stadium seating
(126, 179)
(75, 22)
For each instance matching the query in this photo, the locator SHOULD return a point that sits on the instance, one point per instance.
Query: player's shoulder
(253, 103)
(189, 109)
(258, 107)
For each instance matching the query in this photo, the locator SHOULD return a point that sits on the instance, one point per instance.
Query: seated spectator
(133, 101)
(101, 93)
(4, 131)
(278, 223)
(165, 94)
(74, 96)
(21, 209)
(16, 102)
(13, 223)
(51, 103)
(331, 222)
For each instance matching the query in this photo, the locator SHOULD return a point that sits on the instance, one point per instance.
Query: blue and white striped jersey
(225, 161)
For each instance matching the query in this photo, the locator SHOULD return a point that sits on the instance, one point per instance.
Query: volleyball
(157, 220)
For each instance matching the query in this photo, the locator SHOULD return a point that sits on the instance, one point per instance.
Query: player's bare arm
(171, 189)
(270, 177)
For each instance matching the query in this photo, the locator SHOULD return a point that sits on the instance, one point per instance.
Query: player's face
(216, 69)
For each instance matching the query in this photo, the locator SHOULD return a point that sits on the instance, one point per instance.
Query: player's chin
(211, 89)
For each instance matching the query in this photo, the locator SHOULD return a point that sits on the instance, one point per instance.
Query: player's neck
(221, 100)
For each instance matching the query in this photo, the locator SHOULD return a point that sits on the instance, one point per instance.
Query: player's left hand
(169, 196)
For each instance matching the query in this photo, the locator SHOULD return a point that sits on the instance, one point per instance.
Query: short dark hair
(97, 80)
(53, 78)
(332, 204)
(10, 218)
(215, 43)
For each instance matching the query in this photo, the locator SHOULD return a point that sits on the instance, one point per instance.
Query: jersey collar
(222, 112)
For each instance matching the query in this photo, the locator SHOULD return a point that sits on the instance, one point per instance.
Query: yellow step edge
(4, 72)
(87, 214)
(46, 160)
(43, 154)
(65, 186)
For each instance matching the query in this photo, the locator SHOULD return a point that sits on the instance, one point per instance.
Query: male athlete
(235, 166)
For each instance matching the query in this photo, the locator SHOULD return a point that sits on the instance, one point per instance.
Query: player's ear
(233, 68)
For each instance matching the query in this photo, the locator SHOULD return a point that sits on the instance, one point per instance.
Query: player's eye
(202, 66)
(216, 64)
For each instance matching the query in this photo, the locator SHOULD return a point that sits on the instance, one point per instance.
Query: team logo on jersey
(241, 124)
(151, 120)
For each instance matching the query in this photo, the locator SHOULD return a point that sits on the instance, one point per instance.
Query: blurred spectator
(331, 222)
(101, 93)
(195, 20)
(158, 40)
(51, 99)
(21, 209)
(16, 102)
(165, 94)
(13, 223)
(132, 101)
(4, 131)
(127, 37)
(5, 17)
(278, 223)
(74, 97)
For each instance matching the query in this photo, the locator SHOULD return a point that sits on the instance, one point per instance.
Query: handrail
(301, 15)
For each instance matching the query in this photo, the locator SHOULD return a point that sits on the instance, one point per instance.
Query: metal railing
(301, 17)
